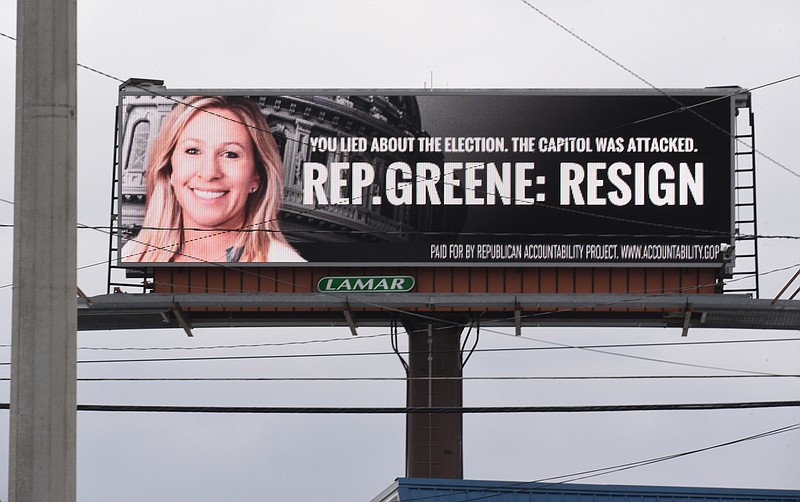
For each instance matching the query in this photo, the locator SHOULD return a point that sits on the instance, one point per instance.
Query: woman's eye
(230, 155)
(193, 151)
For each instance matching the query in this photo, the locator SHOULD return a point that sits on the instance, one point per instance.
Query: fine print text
(665, 252)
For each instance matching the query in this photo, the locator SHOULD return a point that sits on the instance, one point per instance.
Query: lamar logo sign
(374, 284)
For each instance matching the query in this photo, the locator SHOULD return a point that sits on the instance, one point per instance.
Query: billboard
(424, 178)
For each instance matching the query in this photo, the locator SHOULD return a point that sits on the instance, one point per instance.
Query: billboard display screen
(423, 178)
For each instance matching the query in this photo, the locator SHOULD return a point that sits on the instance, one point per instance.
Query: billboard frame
(137, 88)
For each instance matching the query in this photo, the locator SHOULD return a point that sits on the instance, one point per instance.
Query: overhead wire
(702, 103)
(379, 335)
(430, 410)
(434, 378)
(553, 346)
(577, 476)
(659, 90)
(641, 463)
(108, 229)
(239, 346)
(664, 361)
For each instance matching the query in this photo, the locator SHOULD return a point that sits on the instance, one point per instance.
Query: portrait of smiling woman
(214, 187)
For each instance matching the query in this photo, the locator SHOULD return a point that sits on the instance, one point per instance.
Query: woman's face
(214, 170)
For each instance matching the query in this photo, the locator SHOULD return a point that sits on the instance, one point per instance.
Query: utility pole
(44, 326)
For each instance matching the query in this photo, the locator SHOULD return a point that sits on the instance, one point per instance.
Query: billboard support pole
(42, 453)
(434, 441)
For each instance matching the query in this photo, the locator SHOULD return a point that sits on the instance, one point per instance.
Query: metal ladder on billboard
(744, 277)
(138, 278)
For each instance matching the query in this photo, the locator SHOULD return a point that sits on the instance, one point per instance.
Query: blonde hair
(162, 235)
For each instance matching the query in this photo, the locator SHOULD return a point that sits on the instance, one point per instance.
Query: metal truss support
(180, 315)
(209, 310)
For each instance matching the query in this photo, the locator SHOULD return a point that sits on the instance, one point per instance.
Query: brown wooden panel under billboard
(562, 280)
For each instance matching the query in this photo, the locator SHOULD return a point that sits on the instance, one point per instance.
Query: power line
(411, 379)
(108, 229)
(576, 476)
(660, 91)
(641, 463)
(238, 346)
(552, 346)
(380, 335)
(556, 346)
(651, 359)
(312, 410)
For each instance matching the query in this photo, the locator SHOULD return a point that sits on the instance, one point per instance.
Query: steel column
(434, 441)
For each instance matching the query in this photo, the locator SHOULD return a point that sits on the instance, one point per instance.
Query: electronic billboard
(426, 178)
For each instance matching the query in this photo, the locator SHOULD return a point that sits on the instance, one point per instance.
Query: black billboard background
(594, 116)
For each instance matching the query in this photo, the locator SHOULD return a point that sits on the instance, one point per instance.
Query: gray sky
(393, 44)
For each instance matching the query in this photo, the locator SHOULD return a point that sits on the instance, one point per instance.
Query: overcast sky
(400, 44)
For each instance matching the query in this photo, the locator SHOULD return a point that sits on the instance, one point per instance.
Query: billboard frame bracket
(687, 319)
(517, 318)
(348, 316)
(783, 290)
(84, 297)
(183, 320)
